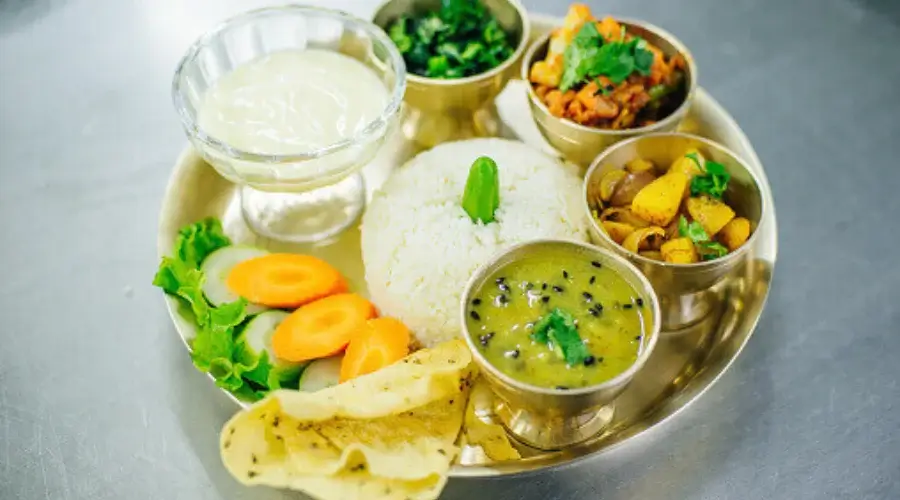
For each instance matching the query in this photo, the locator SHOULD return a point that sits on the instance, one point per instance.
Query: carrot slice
(382, 342)
(284, 280)
(322, 328)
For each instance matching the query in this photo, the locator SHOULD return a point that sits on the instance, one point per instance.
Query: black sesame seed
(513, 354)
(593, 279)
(490, 335)
(587, 296)
(545, 299)
(476, 302)
(529, 286)
(500, 280)
(502, 299)
(627, 306)
(596, 264)
(475, 316)
(485, 339)
(503, 287)
(639, 337)
(599, 308)
(558, 289)
(562, 388)
(599, 359)
(565, 275)
(588, 361)
(544, 286)
(592, 312)
(639, 301)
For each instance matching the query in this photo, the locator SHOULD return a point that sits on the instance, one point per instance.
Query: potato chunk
(658, 201)
(711, 213)
(679, 251)
(618, 231)
(735, 233)
(686, 165)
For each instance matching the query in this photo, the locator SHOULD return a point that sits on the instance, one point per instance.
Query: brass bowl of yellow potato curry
(559, 329)
(684, 209)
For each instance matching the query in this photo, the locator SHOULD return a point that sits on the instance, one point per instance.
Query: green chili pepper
(482, 195)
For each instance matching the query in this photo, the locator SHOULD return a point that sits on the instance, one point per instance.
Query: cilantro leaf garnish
(713, 181)
(589, 56)
(558, 331)
(707, 249)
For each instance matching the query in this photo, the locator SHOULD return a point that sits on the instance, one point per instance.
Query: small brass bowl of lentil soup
(559, 328)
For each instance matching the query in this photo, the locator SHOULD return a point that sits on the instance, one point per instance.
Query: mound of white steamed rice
(420, 247)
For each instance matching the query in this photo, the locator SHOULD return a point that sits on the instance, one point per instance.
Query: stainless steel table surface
(99, 400)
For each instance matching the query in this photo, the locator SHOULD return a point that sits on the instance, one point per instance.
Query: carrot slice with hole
(382, 342)
(322, 328)
(285, 280)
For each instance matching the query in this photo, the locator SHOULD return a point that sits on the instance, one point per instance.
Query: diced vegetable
(321, 374)
(638, 165)
(216, 268)
(623, 215)
(712, 214)
(284, 280)
(630, 186)
(646, 238)
(679, 251)
(321, 328)
(608, 183)
(482, 193)
(735, 233)
(618, 231)
(254, 347)
(383, 341)
(689, 165)
(658, 201)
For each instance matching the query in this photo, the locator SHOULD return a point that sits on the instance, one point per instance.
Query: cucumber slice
(321, 374)
(256, 339)
(216, 267)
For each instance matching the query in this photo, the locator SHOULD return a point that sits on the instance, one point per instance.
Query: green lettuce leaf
(198, 240)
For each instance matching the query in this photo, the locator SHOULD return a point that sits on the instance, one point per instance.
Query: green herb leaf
(713, 181)
(692, 230)
(707, 249)
(482, 193)
(580, 55)
(559, 332)
(710, 250)
(398, 34)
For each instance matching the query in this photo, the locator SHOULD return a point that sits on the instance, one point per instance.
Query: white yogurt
(292, 102)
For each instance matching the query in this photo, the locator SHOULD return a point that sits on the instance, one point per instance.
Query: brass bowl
(440, 110)
(580, 144)
(682, 288)
(552, 419)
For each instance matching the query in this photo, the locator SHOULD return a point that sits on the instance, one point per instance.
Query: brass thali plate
(685, 363)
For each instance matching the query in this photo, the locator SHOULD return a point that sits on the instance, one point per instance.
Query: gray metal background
(98, 399)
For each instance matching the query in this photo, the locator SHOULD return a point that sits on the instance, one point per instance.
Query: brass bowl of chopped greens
(594, 82)
(683, 209)
(459, 55)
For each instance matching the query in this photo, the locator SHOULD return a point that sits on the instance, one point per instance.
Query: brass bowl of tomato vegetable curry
(683, 209)
(559, 328)
(459, 56)
(594, 82)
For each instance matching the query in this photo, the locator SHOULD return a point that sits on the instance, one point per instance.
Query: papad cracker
(490, 438)
(389, 434)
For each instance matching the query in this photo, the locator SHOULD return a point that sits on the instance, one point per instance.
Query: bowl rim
(725, 260)
(648, 293)
(477, 78)
(661, 124)
(370, 131)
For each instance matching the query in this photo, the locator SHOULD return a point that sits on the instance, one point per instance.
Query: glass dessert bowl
(290, 103)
